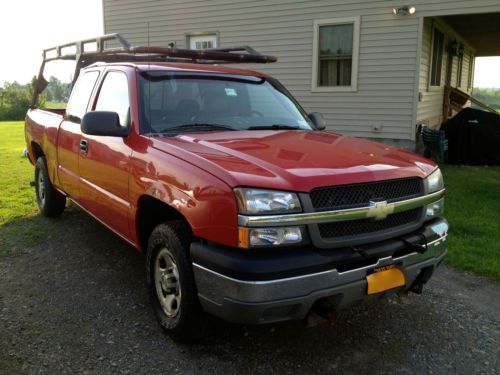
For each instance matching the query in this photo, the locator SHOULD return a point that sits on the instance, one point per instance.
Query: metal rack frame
(128, 53)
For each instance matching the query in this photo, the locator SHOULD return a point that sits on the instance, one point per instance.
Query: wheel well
(37, 151)
(150, 213)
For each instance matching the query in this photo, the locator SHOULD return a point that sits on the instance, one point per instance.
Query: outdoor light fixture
(403, 11)
(456, 49)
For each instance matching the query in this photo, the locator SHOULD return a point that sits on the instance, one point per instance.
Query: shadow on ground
(77, 302)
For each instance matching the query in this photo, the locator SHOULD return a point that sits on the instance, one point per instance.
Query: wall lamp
(403, 11)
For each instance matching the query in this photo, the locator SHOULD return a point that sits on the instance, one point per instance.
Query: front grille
(367, 226)
(359, 195)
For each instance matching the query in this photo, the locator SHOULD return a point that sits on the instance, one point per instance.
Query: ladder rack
(88, 51)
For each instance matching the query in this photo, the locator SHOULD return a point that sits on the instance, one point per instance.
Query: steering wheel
(259, 114)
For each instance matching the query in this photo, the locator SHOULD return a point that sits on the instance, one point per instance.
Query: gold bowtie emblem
(380, 210)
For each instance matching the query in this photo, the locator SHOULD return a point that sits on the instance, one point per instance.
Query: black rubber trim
(269, 264)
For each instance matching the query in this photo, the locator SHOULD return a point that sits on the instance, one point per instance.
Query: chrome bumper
(254, 302)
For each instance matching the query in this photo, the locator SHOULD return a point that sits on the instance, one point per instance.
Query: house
(375, 69)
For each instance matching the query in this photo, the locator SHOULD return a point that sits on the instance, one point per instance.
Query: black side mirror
(103, 123)
(318, 120)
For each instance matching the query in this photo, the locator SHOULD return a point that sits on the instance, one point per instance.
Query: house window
(460, 69)
(335, 54)
(202, 41)
(470, 75)
(437, 57)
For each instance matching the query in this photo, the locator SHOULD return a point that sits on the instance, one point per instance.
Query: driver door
(104, 161)
(69, 135)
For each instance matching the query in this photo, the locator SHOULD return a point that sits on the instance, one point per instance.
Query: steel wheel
(50, 202)
(171, 284)
(41, 189)
(167, 283)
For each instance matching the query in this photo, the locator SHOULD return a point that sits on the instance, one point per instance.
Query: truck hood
(292, 160)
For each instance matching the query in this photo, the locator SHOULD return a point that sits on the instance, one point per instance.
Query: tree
(15, 100)
(57, 91)
(490, 97)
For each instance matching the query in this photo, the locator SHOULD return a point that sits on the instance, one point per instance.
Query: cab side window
(114, 96)
(80, 95)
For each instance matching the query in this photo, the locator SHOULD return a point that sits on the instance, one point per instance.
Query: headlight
(276, 236)
(434, 182)
(259, 201)
(434, 209)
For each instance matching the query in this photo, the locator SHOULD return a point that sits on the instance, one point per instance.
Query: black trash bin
(473, 137)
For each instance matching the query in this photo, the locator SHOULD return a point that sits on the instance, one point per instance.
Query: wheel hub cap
(167, 283)
(41, 187)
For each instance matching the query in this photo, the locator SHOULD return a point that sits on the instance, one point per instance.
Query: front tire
(171, 283)
(50, 202)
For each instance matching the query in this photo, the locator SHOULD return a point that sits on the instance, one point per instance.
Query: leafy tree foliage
(57, 91)
(488, 96)
(15, 98)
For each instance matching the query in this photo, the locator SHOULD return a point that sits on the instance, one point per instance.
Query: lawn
(19, 223)
(472, 207)
(55, 105)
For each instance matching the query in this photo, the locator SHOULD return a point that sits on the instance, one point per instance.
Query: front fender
(206, 202)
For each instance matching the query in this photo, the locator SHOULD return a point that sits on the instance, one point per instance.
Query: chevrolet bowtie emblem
(380, 210)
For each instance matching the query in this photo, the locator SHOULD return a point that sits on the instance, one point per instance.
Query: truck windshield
(173, 102)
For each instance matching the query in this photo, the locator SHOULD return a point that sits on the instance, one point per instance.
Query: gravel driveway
(77, 303)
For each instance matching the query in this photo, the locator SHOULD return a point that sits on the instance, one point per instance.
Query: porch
(450, 44)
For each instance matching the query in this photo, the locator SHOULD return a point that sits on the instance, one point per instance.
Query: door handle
(84, 145)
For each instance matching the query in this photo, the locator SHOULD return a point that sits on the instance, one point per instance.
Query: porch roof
(481, 31)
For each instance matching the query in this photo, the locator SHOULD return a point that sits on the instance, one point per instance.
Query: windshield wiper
(273, 127)
(197, 127)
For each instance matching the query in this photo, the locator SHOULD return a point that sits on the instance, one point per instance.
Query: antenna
(148, 47)
(149, 89)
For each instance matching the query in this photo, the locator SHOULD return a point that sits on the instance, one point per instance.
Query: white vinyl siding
(388, 48)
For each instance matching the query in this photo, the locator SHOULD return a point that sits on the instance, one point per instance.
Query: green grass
(472, 207)
(55, 105)
(16, 200)
(19, 224)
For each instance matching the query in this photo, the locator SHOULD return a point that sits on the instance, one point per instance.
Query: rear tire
(171, 283)
(50, 202)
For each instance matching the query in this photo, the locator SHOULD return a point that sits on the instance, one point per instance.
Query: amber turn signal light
(243, 237)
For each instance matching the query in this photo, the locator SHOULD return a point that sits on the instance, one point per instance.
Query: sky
(29, 26)
(487, 72)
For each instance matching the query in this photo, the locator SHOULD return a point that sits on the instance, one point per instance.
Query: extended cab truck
(245, 208)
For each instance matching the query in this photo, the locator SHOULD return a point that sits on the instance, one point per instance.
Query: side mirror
(318, 120)
(103, 123)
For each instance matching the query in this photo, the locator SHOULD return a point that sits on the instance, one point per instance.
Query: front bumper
(263, 288)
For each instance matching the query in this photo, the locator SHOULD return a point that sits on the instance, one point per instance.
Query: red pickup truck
(245, 206)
